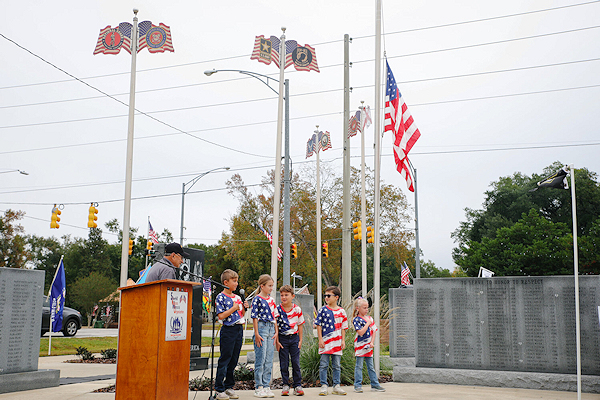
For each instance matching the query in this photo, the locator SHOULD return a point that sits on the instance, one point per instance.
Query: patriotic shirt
(332, 322)
(362, 344)
(264, 309)
(289, 321)
(224, 302)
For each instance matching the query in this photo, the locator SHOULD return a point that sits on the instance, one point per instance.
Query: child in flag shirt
(230, 310)
(289, 340)
(363, 345)
(263, 314)
(331, 323)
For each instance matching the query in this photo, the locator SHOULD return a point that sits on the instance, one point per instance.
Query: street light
(184, 191)
(15, 170)
(286, 169)
(295, 277)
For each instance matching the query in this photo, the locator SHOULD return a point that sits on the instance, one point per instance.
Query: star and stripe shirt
(362, 343)
(289, 321)
(264, 309)
(332, 322)
(224, 303)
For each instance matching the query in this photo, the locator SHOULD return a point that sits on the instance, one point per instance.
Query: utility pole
(346, 230)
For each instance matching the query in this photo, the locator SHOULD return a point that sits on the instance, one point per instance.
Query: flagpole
(49, 293)
(576, 273)
(363, 202)
(129, 163)
(277, 188)
(417, 248)
(147, 240)
(318, 212)
(376, 276)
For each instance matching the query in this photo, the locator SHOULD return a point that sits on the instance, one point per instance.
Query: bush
(84, 353)
(199, 383)
(243, 373)
(109, 354)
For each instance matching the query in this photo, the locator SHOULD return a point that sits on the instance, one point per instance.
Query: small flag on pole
(157, 39)
(557, 181)
(404, 275)
(58, 291)
(270, 237)
(311, 146)
(324, 141)
(152, 233)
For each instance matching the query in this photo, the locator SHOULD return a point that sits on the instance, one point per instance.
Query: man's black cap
(175, 248)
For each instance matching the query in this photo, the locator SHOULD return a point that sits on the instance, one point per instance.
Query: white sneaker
(338, 390)
(268, 393)
(323, 391)
(285, 391)
(358, 389)
(377, 389)
(222, 396)
(260, 392)
(231, 393)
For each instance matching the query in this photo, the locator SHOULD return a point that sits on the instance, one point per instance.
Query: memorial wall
(402, 322)
(501, 323)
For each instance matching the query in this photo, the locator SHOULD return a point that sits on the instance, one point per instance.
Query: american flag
(152, 236)
(362, 343)
(289, 321)
(206, 285)
(112, 40)
(270, 237)
(399, 122)
(324, 141)
(332, 322)
(264, 309)
(354, 124)
(157, 39)
(311, 146)
(264, 50)
(224, 302)
(404, 273)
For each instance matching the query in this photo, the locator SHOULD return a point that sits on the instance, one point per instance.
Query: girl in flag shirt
(331, 323)
(363, 345)
(264, 313)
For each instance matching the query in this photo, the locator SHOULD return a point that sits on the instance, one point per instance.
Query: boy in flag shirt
(289, 340)
(230, 310)
(331, 323)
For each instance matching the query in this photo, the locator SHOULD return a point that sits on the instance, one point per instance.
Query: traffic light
(130, 246)
(55, 219)
(325, 250)
(149, 245)
(357, 230)
(92, 218)
(294, 250)
(370, 234)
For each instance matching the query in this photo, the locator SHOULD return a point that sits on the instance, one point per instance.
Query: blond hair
(263, 280)
(228, 274)
(357, 304)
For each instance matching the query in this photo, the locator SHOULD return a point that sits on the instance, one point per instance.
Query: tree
(87, 291)
(12, 244)
(45, 255)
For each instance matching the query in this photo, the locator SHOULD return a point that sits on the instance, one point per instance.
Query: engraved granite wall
(402, 322)
(507, 323)
(21, 294)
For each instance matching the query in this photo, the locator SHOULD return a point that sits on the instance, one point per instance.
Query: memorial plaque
(402, 322)
(507, 323)
(21, 294)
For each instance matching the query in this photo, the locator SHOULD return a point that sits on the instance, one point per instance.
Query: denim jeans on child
(358, 372)
(263, 366)
(335, 365)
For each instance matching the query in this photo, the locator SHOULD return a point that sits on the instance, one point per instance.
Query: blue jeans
(358, 372)
(230, 345)
(263, 366)
(335, 365)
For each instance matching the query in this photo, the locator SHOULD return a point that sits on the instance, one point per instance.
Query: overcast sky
(514, 91)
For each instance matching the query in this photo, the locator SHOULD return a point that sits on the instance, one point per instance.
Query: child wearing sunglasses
(331, 323)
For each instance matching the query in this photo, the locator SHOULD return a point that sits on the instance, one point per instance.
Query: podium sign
(176, 321)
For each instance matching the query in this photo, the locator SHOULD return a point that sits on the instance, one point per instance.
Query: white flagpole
(363, 202)
(576, 273)
(318, 212)
(49, 293)
(277, 188)
(129, 163)
(376, 276)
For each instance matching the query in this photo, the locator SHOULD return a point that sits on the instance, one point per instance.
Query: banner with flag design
(324, 141)
(112, 40)
(356, 124)
(266, 50)
(58, 291)
(311, 145)
(157, 39)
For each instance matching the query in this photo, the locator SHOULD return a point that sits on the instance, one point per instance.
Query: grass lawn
(62, 346)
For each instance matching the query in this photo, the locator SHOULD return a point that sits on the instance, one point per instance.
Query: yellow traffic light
(92, 218)
(325, 249)
(294, 250)
(55, 219)
(370, 234)
(357, 230)
(130, 246)
(149, 245)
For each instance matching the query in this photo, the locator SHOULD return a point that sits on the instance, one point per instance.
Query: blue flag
(57, 298)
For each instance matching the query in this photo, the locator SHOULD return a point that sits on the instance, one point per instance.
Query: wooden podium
(153, 359)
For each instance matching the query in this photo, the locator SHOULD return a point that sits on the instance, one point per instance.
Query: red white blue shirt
(362, 343)
(332, 322)
(264, 309)
(289, 321)
(224, 303)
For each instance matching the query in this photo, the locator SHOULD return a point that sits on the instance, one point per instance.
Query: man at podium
(165, 268)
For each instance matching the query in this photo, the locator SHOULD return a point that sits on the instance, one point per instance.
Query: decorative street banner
(324, 141)
(177, 306)
(157, 39)
(266, 50)
(111, 40)
(311, 146)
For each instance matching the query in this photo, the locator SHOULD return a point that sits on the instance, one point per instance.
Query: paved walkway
(102, 375)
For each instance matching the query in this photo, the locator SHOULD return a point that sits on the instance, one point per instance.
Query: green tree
(13, 253)
(87, 291)
(45, 255)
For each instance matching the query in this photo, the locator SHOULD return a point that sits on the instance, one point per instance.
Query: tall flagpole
(277, 189)
(376, 277)
(576, 273)
(318, 212)
(129, 168)
(346, 197)
(147, 240)
(363, 202)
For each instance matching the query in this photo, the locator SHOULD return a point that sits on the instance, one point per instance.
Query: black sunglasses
(329, 295)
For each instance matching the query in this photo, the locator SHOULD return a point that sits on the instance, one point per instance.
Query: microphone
(243, 296)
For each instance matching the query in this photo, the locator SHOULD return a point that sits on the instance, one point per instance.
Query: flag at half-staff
(399, 122)
(356, 123)
(266, 50)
